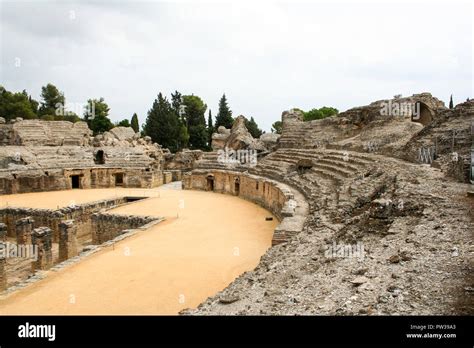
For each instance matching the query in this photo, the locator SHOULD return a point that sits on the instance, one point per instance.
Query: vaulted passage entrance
(425, 116)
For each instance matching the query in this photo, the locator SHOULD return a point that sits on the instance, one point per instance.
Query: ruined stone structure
(41, 239)
(62, 234)
(3, 257)
(362, 177)
(41, 155)
(67, 240)
(390, 176)
(24, 227)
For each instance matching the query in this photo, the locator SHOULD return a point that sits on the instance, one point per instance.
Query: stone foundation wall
(89, 178)
(81, 214)
(284, 202)
(108, 226)
(167, 177)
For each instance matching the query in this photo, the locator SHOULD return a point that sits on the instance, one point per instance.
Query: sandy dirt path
(174, 265)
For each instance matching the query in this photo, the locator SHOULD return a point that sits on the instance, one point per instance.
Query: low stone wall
(283, 201)
(167, 177)
(12, 182)
(81, 214)
(108, 226)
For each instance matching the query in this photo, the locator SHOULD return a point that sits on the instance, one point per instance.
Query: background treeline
(180, 122)
(52, 107)
(176, 123)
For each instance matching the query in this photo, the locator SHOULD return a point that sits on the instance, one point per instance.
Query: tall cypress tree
(224, 116)
(134, 123)
(182, 131)
(210, 128)
(451, 104)
(161, 124)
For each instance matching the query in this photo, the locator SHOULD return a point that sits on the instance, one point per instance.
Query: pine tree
(53, 100)
(224, 116)
(451, 104)
(277, 127)
(210, 129)
(134, 123)
(161, 124)
(96, 115)
(253, 128)
(195, 121)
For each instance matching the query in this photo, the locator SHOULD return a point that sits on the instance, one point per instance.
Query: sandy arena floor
(59, 199)
(174, 265)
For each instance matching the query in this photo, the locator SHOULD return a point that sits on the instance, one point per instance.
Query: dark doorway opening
(119, 179)
(99, 157)
(237, 186)
(210, 183)
(75, 182)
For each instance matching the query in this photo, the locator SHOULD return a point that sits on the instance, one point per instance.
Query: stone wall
(108, 226)
(37, 181)
(286, 203)
(81, 214)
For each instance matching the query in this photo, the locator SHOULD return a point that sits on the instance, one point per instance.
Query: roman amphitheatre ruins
(123, 226)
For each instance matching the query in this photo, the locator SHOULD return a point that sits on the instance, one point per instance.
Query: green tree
(134, 123)
(253, 128)
(20, 104)
(451, 104)
(176, 102)
(123, 123)
(224, 115)
(53, 101)
(210, 129)
(317, 114)
(162, 125)
(313, 114)
(96, 116)
(328, 111)
(277, 127)
(183, 136)
(195, 121)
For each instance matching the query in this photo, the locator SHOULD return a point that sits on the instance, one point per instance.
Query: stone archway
(423, 115)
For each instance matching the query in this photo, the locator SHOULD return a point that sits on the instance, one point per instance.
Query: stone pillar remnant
(23, 228)
(67, 240)
(41, 240)
(3, 257)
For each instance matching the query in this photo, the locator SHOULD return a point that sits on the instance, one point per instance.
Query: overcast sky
(265, 56)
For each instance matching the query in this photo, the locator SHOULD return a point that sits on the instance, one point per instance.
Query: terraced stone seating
(336, 181)
(210, 160)
(53, 133)
(126, 157)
